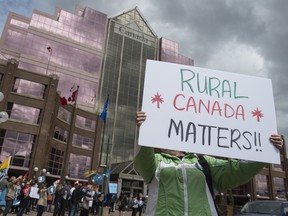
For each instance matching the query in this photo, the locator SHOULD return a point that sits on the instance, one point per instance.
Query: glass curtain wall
(123, 79)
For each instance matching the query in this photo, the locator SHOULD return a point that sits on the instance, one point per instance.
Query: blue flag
(103, 115)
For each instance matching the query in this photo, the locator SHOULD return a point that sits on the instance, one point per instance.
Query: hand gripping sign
(208, 112)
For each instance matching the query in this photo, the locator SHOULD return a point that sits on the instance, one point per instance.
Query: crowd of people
(20, 197)
(135, 203)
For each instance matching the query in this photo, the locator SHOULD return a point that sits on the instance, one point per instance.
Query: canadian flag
(71, 97)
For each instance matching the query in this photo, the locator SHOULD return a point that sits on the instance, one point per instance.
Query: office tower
(130, 42)
(72, 46)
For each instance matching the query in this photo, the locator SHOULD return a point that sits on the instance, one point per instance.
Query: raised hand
(140, 118)
(277, 141)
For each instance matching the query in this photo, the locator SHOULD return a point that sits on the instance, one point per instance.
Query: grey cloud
(203, 27)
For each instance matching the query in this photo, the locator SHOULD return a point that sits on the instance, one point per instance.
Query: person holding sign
(177, 183)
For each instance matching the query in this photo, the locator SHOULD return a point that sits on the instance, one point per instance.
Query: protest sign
(52, 189)
(113, 188)
(34, 192)
(209, 112)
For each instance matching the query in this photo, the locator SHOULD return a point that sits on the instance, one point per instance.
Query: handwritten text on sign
(209, 112)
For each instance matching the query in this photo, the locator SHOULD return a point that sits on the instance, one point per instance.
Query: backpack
(206, 170)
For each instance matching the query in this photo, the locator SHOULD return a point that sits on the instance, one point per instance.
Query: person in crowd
(49, 201)
(32, 204)
(130, 198)
(96, 202)
(10, 195)
(42, 201)
(76, 184)
(134, 205)
(24, 198)
(173, 176)
(113, 198)
(76, 198)
(65, 196)
(86, 199)
(91, 206)
(145, 203)
(3, 189)
(71, 192)
(140, 204)
(57, 200)
(16, 202)
(122, 203)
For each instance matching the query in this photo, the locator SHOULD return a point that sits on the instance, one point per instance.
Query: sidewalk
(115, 213)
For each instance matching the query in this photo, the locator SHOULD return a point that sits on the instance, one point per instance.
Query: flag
(5, 164)
(25, 177)
(4, 168)
(103, 115)
(71, 97)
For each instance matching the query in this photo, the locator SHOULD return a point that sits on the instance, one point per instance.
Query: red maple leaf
(157, 98)
(258, 113)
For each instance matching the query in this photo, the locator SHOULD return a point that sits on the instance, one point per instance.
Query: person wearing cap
(10, 195)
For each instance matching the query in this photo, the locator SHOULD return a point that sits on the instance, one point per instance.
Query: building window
(24, 113)
(18, 145)
(279, 187)
(85, 123)
(78, 165)
(29, 88)
(64, 114)
(262, 185)
(56, 159)
(82, 141)
(60, 134)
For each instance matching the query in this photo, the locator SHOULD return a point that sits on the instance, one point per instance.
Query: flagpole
(103, 116)
(50, 50)
(70, 137)
(102, 142)
(107, 149)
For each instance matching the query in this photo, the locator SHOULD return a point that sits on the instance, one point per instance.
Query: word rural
(202, 94)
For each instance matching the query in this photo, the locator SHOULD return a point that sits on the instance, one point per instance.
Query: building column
(144, 189)
(119, 186)
(40, 150)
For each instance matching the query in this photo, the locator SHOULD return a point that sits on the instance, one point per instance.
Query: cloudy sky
(241, 36)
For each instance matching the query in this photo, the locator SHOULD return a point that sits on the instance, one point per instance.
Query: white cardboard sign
(210, 112)
(34, 192)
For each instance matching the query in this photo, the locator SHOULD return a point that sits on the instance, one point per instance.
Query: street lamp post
(42, 172)
(35, 170)
(249, 197)
(3, 115)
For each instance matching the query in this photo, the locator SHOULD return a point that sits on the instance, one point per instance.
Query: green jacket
(178, 186)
